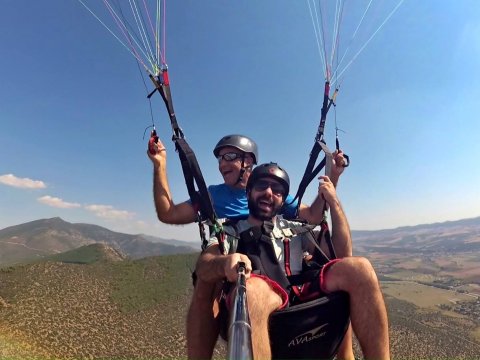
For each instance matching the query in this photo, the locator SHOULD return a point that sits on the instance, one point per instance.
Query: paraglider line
(317, 37)
(370, 39)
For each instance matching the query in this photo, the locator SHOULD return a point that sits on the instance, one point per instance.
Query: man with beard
(236, 155)
(267, 188)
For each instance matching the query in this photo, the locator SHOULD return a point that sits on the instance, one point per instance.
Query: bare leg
(356, 276)
(262, 301)
(202, 324)
(345, 350)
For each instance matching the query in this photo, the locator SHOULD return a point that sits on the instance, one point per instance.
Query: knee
(362, 272)
(351, 272)
(361, 264)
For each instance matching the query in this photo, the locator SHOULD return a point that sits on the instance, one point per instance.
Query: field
(135, 309)
(423, 296)
(434, 295)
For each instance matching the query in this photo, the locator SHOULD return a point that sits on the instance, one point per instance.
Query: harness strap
(191, 170)
(319, 145)
(288, 271)
(286, 251)
(304, 277)
(328, 239)
(311, 172)
(257, 244)
(301, 229)
(193, 175)
(325, 234)
(242, 170)
(325, 107)
(162, 85)
(319, 256)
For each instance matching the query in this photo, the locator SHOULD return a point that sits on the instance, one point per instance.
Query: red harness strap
(288, 271)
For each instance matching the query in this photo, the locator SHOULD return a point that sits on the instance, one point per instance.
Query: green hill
(125, 309)
(89, 305)
(88, 254)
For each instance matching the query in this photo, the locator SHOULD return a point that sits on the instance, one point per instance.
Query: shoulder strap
(307, 231)
(191, 170)
(257, 244)
(227, 226)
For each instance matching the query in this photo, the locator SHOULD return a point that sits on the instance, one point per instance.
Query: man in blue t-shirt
(236, 155)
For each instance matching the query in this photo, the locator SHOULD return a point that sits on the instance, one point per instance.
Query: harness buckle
(287, 232)
(277, 233)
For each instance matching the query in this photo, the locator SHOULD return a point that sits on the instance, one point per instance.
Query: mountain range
(445, 237)
(41, 238)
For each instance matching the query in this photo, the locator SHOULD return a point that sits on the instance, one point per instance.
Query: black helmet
(240, 142)
(270, 170)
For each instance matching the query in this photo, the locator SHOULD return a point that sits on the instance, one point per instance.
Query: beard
(261, 214)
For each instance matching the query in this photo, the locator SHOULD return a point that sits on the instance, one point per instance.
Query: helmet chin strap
(242, 170)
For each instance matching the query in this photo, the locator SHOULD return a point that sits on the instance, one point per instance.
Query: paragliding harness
(325, 317)
(311, 171)
(191, 170)
(314, 323)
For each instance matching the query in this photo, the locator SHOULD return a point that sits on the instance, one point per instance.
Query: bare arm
(341, 236)
(313, 214)
(212, 266)
(167, 211)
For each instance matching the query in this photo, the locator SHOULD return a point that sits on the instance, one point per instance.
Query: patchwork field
(423, 296)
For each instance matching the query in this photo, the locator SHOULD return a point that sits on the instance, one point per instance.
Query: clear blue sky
(73, 109)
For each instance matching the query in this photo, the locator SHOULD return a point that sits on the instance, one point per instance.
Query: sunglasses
(262, 185)
(230, 156)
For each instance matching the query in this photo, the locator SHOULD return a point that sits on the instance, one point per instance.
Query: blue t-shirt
(232, 203)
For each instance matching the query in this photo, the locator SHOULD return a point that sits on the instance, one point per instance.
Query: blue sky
(73, 108)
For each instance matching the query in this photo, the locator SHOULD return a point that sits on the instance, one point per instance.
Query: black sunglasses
(230, 156)
(262, 185)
